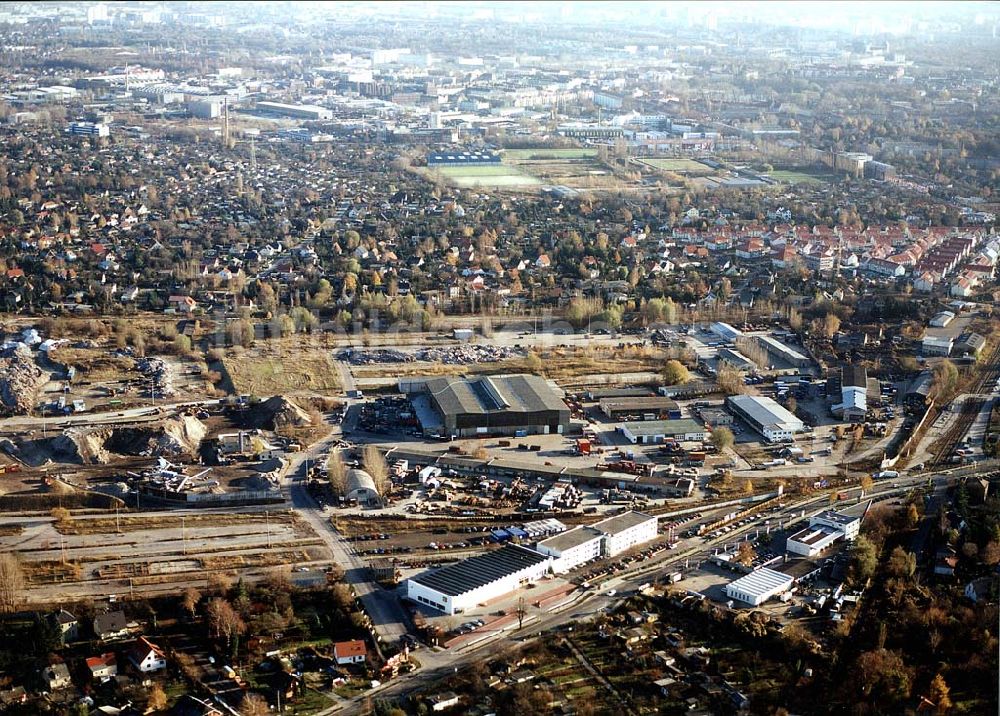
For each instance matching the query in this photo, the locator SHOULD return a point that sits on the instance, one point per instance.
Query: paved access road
(382, 606)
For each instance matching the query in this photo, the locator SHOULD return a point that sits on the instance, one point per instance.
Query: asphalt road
(382, 606)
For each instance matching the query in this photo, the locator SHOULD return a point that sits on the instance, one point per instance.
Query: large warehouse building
(765, 416)
(853, 405)
(298, 111)
(489, 405)
(477, 580)
(463, 585)
(780, 350)
(606, 538)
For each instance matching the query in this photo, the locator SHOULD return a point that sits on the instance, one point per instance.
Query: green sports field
(495, 175)
(523, 155)
(793, 177)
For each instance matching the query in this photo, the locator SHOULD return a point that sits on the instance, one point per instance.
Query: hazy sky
(865, 17)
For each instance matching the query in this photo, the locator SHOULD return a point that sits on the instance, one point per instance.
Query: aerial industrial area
(499, 358)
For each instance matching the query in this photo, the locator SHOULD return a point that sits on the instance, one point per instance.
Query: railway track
(959, 427)
(984, 382)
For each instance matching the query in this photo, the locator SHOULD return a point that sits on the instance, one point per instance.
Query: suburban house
(350, 652)
(182, 304)
(67, 624)
(443, 701)
(146, 656)
(110, 625)
(56, 677)
(103, 667)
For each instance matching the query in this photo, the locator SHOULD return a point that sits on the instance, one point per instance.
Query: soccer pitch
(496, 175)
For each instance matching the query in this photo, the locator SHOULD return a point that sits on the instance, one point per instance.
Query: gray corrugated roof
(854, 376)
(484, 394)
(639, 403)
(765, 411)
(762, 581)
(478, 571)
(360, 480)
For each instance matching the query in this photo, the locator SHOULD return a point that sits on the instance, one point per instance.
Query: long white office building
(606, 538)
(89, 129)
(299, 111)
(824, 529)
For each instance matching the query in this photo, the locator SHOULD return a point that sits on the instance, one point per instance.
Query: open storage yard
(557, 363)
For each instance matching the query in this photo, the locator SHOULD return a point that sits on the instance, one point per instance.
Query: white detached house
(146, 656)
(350, 652)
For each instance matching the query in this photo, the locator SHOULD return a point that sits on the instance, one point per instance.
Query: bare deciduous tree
(254, 705)
(375, 465)
(223, 620)
(157, 699)
(337, 471)
(11, 582)
(190, 600)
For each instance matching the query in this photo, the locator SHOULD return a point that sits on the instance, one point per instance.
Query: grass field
(96, 363)
(522, 155)
(682, 166)
(298, 370)
(495, 175)
(794, 177)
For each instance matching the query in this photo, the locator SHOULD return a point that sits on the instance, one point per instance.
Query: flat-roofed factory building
(461, 586)
(606, 538)
(759, 586)
(298, 111)
(653, 407)
(765, 416)
(786, 353)
(824, 529)
(488, 405)
(656, 431)
(572, 548)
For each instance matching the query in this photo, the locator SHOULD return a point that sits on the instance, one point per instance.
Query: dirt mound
(20, 379)
(278, 412)
(170, 438)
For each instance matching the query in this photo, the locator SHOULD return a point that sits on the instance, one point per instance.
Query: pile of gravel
(468, 354)
(20, 379)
